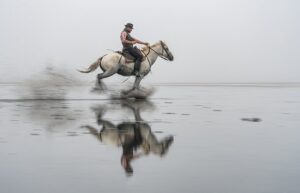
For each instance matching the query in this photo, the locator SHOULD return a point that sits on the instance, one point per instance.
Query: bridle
(162, 52)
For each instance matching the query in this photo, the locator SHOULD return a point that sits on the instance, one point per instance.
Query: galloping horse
(115, 62)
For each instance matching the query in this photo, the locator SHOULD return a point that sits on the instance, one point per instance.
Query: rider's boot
(136, 70)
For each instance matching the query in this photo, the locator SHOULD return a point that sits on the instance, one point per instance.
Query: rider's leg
(138, 58)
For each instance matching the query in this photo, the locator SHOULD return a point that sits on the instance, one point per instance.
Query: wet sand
(217, 147)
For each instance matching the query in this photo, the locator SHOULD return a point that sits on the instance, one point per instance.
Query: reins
(146, 55)
(162, 52)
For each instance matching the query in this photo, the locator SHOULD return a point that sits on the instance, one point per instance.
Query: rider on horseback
(128, 42)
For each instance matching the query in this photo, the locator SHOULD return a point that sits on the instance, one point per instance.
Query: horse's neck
(153, 54)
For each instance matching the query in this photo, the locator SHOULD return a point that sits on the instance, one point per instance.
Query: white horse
(113, 63)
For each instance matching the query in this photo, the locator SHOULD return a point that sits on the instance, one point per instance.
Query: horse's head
(166, 53)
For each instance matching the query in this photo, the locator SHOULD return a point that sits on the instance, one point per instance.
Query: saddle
(128, 57)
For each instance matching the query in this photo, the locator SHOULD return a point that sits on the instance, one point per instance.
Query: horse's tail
(92, 67)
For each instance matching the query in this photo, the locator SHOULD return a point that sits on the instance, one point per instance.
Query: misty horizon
(212, 41)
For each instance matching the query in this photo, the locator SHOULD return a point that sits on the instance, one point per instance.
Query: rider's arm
(123, 39)
(140, 42)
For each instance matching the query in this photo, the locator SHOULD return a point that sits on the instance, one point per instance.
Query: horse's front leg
(136, 85)
(137, 82)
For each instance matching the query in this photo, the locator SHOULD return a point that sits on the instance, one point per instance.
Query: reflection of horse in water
(131, 136)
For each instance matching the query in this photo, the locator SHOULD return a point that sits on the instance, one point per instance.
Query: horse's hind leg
(105, 74)
(99, 83)
(110, 66)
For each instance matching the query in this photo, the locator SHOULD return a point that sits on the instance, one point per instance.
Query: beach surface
(227, 138)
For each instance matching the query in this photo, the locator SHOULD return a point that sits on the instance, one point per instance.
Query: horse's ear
(162, 42)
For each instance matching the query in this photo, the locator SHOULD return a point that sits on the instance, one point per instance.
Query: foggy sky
(211, 40)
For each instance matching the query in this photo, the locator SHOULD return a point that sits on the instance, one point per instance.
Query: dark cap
(130, 25)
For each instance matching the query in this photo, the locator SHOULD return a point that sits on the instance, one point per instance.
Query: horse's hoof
(99, 78)
(99, 87)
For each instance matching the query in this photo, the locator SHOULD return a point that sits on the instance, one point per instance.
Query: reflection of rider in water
(128, 41)
(128, 146)
(134, 136)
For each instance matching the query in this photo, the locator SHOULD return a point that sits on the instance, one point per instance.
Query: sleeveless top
(129, 38)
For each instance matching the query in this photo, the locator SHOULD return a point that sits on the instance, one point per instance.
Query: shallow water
(46, 144)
